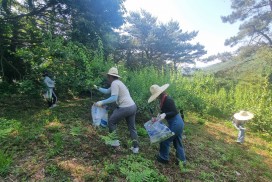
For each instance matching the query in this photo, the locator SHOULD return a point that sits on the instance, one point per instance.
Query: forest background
(76, 41)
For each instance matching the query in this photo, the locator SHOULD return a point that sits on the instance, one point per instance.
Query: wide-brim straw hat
(243, 115)
(113, 72)
(156, 90)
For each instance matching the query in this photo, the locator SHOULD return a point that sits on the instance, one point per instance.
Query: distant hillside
(246, 70)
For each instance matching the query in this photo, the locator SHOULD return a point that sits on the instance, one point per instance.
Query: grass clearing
(39, 144)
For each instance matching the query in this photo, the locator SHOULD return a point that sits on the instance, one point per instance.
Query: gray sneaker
(54, 105)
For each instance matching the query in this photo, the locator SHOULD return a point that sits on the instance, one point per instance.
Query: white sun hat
(156, 90)
(113, 72)
(243, 115)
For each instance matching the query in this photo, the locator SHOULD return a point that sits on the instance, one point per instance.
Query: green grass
(38, 144)
(5, 163)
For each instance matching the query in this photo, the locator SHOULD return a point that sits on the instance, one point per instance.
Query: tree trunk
(2, 66)
(266, 36)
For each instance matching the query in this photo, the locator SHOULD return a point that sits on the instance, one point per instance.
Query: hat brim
(238, 116)
(114, 75)
(154, 96)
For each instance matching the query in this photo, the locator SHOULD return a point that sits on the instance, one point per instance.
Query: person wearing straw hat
(239, 119)
(175, 123)
(126, 107)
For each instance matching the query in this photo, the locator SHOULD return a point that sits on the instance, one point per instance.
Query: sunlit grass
(9, 127)
(62, 145)
(54, 126)
(77, 169)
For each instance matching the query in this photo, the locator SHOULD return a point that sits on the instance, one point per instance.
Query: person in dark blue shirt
(175, 123)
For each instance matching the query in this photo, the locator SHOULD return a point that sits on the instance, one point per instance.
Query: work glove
(162, 116)
(96, 87)
(99, 103)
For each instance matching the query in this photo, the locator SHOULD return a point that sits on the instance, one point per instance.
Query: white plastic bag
(104, 119)
(99, 116)
(157, 131)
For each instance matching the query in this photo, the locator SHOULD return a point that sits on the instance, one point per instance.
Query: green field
(38, 144)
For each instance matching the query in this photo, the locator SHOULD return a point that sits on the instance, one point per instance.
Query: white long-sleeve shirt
(120, 90)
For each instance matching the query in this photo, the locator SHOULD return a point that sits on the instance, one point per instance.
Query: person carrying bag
(175, 123)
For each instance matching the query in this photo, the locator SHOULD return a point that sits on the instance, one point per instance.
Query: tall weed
(205, 94)
(5, 163)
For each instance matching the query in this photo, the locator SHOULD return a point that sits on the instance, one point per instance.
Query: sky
(193, 15)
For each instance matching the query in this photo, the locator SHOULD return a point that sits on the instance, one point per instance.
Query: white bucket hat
(113, 72)
(156, 90)
(243, 115)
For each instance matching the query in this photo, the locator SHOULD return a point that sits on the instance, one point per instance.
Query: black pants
(53, 100)
(182, 114)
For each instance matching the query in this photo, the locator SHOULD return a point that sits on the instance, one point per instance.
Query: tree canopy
(156, 43)
(76, 40)
(255, 17)
(26, 24)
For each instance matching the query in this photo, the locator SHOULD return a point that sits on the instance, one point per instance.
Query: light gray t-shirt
(124, 99)
(48, 82)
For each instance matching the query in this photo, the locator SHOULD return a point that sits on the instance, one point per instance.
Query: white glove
(96, 87)
(99, 103)
(162, 116)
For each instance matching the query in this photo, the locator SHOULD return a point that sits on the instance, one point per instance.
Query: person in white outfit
(50, 94)
(239, 120)
(126, 107)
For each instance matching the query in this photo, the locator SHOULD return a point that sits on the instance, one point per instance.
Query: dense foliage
(207, 95)
(45, 28)
(77, 41)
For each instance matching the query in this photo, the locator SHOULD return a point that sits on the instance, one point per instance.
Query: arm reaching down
(111, 99)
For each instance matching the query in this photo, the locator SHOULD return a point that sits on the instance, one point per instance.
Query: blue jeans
(241, 134)
(176, 125)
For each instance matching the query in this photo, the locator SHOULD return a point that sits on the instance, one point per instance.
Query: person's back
(49, 82)
(124, 99)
